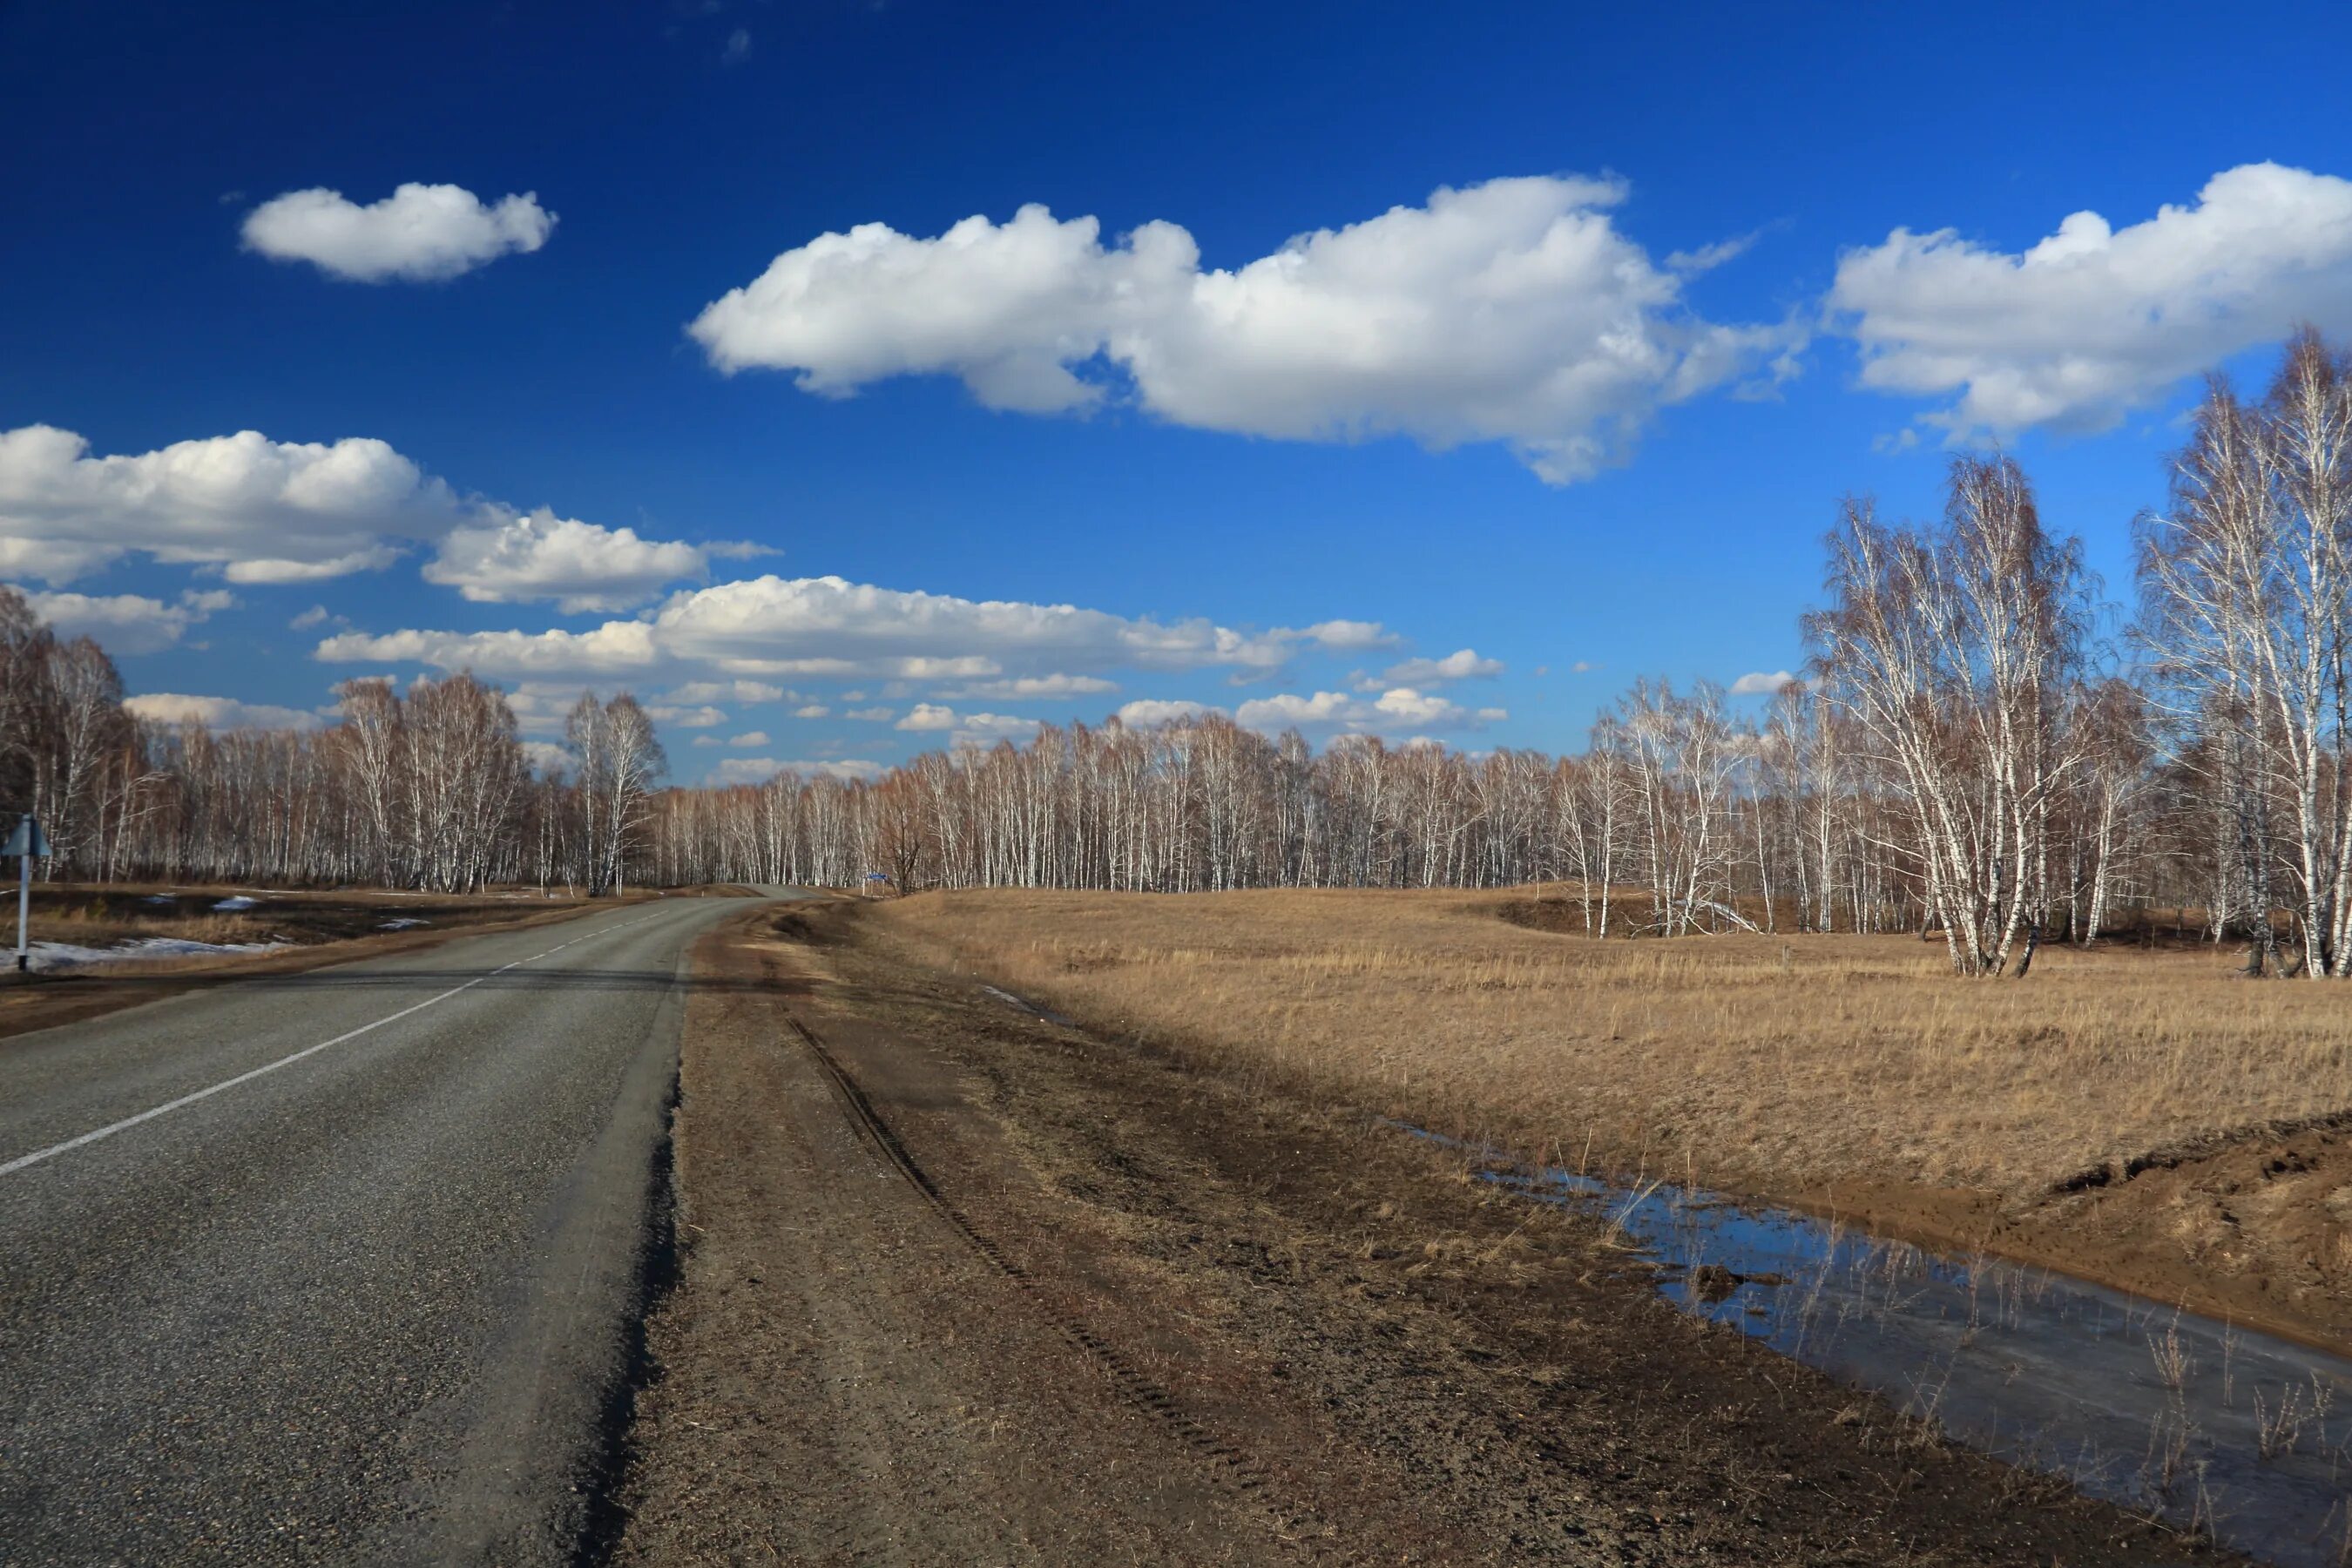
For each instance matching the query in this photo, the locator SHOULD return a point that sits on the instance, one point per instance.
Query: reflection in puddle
(1026, 1005)
(2212, 1427)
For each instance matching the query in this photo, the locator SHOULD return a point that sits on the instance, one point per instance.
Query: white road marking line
(92, 1136)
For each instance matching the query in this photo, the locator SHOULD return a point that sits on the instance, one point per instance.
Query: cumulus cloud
(582, 566)
(826, 627)
(750, 738)
(871, 715)
(127, 623)
(966, 729)
(418, 233)
(1462, 664)
(1400, 709)
(1036, 687)
(698, 691)
(1512, 312)
(1147, 712)
(813, 711)
(217, 713)
(687, 717)
(760, 770)
(616, 647)
(2094, 321)
(927, 716)
(546, 756)
(540, 706)
(1350, 635)
(261, 510)
(1760, 682)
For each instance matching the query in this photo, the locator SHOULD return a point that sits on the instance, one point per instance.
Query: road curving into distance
(340, 1265)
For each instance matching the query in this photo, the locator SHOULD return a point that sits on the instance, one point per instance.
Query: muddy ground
(959, 1284)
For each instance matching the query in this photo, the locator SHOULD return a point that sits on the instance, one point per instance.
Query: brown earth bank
(959, 1284)
(2139, 1117)
(319, 927)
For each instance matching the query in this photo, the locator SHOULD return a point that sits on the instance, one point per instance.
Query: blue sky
(684, 149)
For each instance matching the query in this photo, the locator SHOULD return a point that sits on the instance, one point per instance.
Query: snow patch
(55, 955)
(230, 905)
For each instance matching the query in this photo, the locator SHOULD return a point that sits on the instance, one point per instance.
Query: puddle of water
(2137, 1403)
(1026, 1005)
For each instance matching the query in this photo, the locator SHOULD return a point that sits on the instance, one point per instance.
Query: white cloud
(1760, 682)
(1708, 257)
(546, 756)
(981, 729)
(687, 717)
(2094, 321)
(708, 741)
(1511, 312)
(419, 232)
(813, 711)
(966, 729)
(750, 738)
(540, 706)
(1286, 709)
(760, 770)
(314, 618)
(871, 715)
(927, 716)
(1035, 688)
(739, 48)
(265, 511)
(513, 556)
(826, 627)
(616, 647)
(1400, 708)
(1350, 635)
(698, 691)
(1462, 664)
(127, 623)
(217, 713)
(261, 510)
(1146, 713)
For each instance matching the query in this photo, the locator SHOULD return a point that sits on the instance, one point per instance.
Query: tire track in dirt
(1234, 1471)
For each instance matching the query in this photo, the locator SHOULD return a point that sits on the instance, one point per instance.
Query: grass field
(1783, 1066)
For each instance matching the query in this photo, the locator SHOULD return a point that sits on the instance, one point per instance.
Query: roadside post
(27, 841)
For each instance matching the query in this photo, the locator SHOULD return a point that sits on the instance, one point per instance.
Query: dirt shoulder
(961, 1284)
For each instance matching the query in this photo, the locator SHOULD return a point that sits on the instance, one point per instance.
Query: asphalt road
(373, 1303)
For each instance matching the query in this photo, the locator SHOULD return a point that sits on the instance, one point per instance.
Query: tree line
(1966, 756)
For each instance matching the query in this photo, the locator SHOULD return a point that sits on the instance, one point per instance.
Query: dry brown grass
(95, 923)
(1767, 1064)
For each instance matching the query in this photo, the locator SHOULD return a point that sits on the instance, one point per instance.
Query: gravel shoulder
(958, 1283)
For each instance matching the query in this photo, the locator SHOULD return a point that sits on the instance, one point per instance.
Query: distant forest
(1963, 757)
